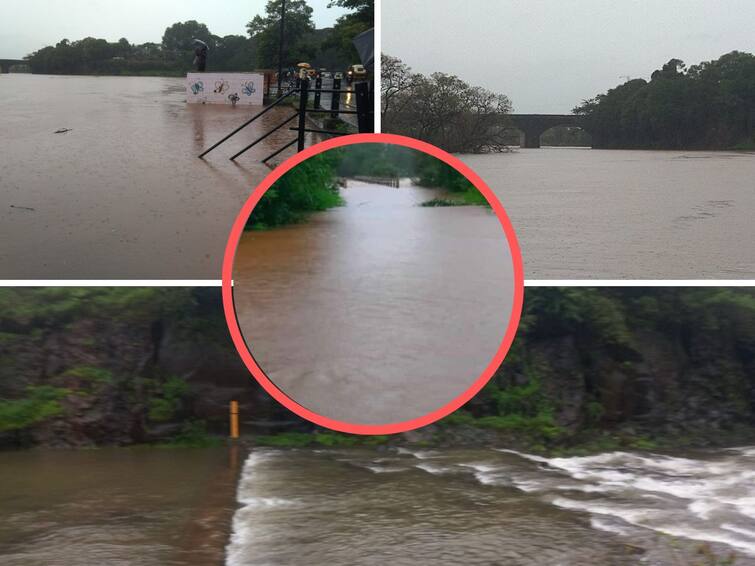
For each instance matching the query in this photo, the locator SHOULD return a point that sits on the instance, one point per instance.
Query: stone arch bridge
(532, 126)
(6, 64)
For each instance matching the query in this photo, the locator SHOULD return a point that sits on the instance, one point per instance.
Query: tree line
(442, 109)
(331, 48)
(314, 184)
(710, 105)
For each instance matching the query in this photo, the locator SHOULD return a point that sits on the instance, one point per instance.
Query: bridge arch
(6, 64)
(532, 126)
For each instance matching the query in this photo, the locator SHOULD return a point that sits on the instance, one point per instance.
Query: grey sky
(28, 25)
(549, 55)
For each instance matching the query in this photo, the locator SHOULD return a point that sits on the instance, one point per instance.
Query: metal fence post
(364, 108)
(335, 100)
(318, 89)
(303, 96)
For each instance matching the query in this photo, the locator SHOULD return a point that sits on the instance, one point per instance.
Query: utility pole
(281, 45)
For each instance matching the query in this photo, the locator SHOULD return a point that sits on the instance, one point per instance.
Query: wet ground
(121, 506)
(615, 214)
(484, 507)
(378, 311)
(121, 194)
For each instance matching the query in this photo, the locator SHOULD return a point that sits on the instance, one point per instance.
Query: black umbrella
(365, 44)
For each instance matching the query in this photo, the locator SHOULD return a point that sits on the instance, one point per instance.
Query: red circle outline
(259, 374)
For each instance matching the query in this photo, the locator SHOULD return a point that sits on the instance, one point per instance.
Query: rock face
(126, 376)
(655, 361)
(115, 366)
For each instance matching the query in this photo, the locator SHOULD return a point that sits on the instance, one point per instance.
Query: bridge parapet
(532, 126)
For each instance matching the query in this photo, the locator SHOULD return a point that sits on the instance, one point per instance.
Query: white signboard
(224, 88)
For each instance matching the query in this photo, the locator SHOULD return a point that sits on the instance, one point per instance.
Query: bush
(42, 402)
(310, 186)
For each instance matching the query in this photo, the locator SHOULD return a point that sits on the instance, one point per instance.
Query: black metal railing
(364, 112)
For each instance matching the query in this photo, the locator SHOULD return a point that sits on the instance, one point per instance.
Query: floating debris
(23, 208)
(63, 130)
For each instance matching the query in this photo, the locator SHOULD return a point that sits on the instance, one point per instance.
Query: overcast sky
(28, 25)
(549, 55)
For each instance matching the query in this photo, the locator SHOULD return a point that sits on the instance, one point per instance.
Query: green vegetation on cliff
(590, 370)
(710, 105)
(83, 366)
(625, 367)
(39, 404)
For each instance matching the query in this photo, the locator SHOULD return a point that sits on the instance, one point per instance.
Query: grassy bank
(437, 174)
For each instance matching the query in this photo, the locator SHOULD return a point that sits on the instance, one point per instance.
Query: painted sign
(225, 88)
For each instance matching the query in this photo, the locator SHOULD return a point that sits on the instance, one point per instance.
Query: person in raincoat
(200, 55)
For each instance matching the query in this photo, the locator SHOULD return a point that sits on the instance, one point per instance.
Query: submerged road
(119, 193)
(378, 311)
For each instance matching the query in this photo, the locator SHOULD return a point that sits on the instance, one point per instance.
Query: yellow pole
(234, 419)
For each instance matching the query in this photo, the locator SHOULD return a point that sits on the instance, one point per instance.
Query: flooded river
(378, 311)
(121, 195)
(590, 214)
(135, 507)
(409, 507)
(145, 507)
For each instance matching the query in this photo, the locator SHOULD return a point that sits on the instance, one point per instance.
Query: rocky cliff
(85, 367)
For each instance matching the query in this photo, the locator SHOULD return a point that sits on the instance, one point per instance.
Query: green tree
(443, 110)
(180, 36)
(265, 31)
(710, 105)
(351, 25)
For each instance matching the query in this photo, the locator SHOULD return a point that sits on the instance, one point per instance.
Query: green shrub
(90, 373)
(167, 402)
(308, 187)
(41, 403)
(194, 435)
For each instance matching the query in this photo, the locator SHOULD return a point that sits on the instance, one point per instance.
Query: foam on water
(245, 528)
(636, 496)
(701, 499)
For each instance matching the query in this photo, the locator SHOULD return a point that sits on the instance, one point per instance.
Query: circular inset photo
(373, 284)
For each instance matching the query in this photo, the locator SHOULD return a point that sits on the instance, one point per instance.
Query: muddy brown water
(383, 505)
(122, 195)
(487, 506)
(120, 506)
(613, 214)
(379, 311)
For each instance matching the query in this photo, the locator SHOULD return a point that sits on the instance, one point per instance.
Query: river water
(379, 311)
(592, 214)
(135, 507)
(122, 195)
(150, 507)
(485, 506)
